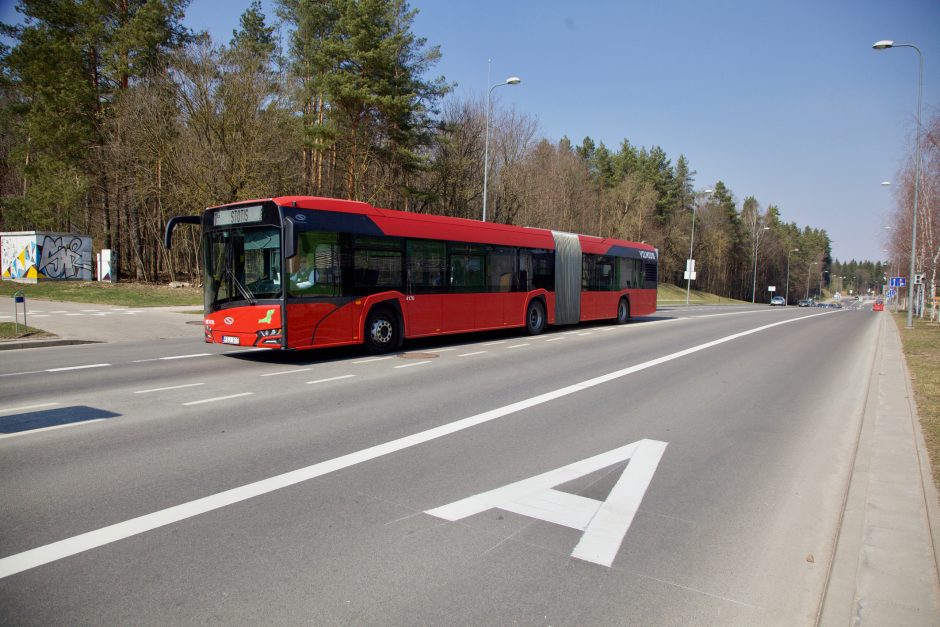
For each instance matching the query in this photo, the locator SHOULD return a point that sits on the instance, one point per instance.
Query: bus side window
(525, 270)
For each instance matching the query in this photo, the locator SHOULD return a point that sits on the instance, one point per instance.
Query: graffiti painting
(33, 255)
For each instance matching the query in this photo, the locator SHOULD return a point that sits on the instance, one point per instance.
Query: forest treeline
(114, 117)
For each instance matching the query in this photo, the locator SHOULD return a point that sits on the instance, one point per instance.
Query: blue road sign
(892, 292)
(898, 281)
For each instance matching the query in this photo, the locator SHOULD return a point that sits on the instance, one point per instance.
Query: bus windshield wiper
(244, 291)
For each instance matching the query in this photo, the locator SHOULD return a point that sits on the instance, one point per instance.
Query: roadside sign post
(19, 297)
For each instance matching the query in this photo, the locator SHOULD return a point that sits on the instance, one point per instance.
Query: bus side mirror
(168, 234)
(290, 238)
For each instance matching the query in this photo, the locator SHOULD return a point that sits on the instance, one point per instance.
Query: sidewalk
(885, 567)
(81, 323)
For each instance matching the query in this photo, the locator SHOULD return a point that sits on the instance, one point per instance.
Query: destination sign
(241, 215)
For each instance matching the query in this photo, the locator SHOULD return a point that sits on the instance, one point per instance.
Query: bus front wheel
(535, 317)
(382, 331)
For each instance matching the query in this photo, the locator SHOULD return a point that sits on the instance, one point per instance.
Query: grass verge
(12, 331)
(921, 347)
(669, 294)
(125, 294)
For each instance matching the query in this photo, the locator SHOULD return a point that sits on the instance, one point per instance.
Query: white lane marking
(32, 558)
(40, 430)
(345, 376)
(554, 339)
(372, 360)
(91, 310)
(604, 523)
(184, 356)
(412, 365)
(218, 398)
(493, 343)
(172, 387)
(5, 410)
(517, 345)
(18, 374)
(587, 333)
(275, 374)
(471, 354)
(74, 314)
(444, 350)
(604, 534)
(39, 315)
(76, 367)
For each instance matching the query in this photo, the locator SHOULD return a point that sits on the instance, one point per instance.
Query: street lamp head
(709, 191)
(885, 183)
(884, 44)
(795, 250)
(513, 80)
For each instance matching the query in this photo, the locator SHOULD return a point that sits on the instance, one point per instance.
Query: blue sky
(784, 101)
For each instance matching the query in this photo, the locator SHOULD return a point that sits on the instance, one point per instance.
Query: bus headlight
(269, 332)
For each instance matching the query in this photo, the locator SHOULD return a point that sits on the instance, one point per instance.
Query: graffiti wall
(33, 255)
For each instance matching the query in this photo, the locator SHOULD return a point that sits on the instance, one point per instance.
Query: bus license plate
(230, 339)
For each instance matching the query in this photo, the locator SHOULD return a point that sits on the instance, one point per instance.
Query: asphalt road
(176, 482)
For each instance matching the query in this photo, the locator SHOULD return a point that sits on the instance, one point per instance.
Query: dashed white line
(417, 363)
(371, 360)
(172, 387)
(345, 376)
(494, 343)
(471, 354)
(517, 345)
(185, 356)
(41, 429)
(555, 339)
(218, 398)
(76, 367)
(6, 410)
(274, 374)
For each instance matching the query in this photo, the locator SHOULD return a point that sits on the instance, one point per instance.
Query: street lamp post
(809, 267)
(512, 80)
(787, 297)
(756, 244)
(884, 44)
(688, 266)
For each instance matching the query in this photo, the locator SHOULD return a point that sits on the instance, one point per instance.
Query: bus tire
(382, 331)
(535, 317)
(623, 311)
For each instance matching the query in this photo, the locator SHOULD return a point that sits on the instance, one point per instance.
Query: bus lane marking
(604, 523)
(80, 543)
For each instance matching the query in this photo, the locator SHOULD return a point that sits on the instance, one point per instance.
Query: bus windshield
(242, 265)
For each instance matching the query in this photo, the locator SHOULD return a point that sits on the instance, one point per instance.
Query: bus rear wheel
(623, 311)
(382, 330)
(535, 317)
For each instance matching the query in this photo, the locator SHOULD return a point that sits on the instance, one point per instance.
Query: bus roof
(421, 225)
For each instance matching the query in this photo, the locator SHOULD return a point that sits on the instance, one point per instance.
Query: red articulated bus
(299, 272)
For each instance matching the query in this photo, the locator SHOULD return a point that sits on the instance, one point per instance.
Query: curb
(18, 344)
